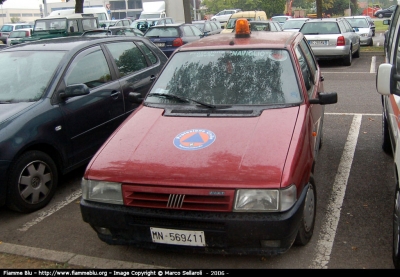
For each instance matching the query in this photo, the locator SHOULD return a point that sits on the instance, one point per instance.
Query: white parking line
(52, 210)
(373, 65)
(330, 223)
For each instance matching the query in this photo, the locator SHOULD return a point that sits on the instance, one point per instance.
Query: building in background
(18, 15)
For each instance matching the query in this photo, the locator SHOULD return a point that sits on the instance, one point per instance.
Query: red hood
(247, 150)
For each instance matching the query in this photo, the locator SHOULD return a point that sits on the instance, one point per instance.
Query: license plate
(160, 44)
(318, 42)
(177, 237)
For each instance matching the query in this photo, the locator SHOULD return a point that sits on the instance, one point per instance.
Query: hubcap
(35, 182)
(309, 207)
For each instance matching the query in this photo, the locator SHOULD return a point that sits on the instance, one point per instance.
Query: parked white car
(223, 16)
(18, 34)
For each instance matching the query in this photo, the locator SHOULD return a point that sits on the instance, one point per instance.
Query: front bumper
(225, 233)
(365, 41)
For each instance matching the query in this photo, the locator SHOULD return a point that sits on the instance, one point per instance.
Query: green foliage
(15, 19)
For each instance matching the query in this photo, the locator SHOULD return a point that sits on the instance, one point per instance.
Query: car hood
(243, 151)
(364, 31)
(9, 110)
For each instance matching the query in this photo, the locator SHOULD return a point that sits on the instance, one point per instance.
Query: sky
(27, 4)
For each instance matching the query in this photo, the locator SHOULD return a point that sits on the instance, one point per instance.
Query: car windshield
(162, 32)
(320, 28)
(51, 24)
(256, 26)
(279, 19)
(293, 24)
(18, 34)
(358, 22)
(228, 77)
(27, 74)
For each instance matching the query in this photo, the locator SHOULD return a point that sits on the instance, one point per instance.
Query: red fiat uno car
(219, 158)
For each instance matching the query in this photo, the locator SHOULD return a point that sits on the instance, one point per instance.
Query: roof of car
(323, 19)
(298, 18)
(75, 15)
(69, 43)
(259, 40)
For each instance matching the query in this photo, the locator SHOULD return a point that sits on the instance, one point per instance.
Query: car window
(392, 31)
(212, 73)
(74, 24)
(318, 28)
(7, 28)
(89, 68)
(207, 27)
(127, 57)
(147, 52)
(347, 26)
(305, 48)
(162, 32)
(34, 70)
(214, 26)
(200, 26)
(305, 70)
(188, 31)
(168, 21)
(196, 31)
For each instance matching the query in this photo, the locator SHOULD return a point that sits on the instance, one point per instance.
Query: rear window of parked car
(320, 28)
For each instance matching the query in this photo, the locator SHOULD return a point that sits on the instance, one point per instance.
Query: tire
(348, 59)
(32, 182)
(357, 53)
(380, 15)
(307, 222)
(386, 144)
(371, 43)
(396, 229)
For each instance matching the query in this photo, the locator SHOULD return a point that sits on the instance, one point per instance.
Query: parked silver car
(362, 28)
(332, 38)
(294, 24)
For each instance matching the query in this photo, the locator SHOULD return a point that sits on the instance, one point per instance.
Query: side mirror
(325, 98)
(75, 90)
(384, 79)
(356, 29)
(135, 97)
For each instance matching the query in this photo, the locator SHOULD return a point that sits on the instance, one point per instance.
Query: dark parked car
(114, 31)
(208, 27)
(170, 37)
(60, 100)
(385, 12)
(145, 23)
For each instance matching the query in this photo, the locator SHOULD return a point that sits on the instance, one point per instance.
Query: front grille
(216, 200)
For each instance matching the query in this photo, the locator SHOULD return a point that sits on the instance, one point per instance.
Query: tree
(270, 7)
(2, 1)
(78, 6)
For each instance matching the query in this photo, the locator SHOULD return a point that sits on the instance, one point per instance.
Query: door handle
(152, 78)
(115, 94)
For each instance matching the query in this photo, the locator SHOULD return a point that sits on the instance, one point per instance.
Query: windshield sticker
(278, 55)
(194, 139)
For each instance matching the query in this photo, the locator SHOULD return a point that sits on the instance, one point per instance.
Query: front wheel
(32, 182)
(380, 15)
(307, 223)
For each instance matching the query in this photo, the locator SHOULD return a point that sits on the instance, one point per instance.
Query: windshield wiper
(186, 100)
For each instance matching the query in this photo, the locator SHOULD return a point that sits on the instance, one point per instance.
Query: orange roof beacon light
(242, 28)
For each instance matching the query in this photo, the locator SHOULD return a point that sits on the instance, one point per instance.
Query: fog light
(103, 231)
(270, 243)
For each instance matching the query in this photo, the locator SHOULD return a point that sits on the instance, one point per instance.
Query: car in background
(332, 38)
(249, 15)
(114, 31)
(385, 12)
(2, 45)
(6, 29)
(17, 35)
(387, 85)
(61, 26)
(116, 22)
(223, 16)
(146, 23)
(170, 37)
(293, 24)
(281, 19)
(245, 109)
(60, 100)
(265, 26)
(208, 27)
(363, 29)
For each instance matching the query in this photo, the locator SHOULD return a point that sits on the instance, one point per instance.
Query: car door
(314, 85)
(137, 68)
(90, 119)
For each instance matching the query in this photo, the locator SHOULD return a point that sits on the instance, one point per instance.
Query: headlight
(265, 200)
(101, 191)
(363, 35)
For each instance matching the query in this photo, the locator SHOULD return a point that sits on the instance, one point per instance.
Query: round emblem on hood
(194, 139)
